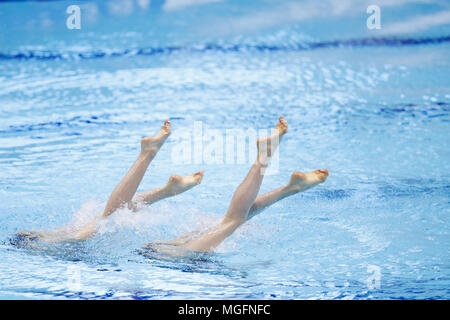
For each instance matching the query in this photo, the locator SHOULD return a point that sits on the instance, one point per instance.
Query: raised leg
(125, 190)
(176, 185)
(299, 182)
(244, 195)
(121, 195)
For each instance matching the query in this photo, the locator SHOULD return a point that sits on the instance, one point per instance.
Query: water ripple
(303, 46)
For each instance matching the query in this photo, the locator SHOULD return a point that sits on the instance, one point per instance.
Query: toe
(166, 126)
(283, 123)
(198, 176)
(322, 174)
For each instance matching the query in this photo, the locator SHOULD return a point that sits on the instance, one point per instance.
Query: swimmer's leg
(181, 240)
(244, 196)
(176, 185)
(299, 182)
(122, 193)
(125, 190)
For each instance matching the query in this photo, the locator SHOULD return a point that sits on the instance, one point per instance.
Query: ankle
(147, 153)
(262, 162)
(166, 191)
(292, 189)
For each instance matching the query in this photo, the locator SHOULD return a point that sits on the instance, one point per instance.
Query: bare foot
(152, 144)
(268, 145)
(303, 181)
(178, 184)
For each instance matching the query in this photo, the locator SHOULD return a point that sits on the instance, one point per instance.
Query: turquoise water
(371, 105)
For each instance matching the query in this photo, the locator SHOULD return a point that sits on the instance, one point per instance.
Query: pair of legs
(244, 205)
(124, 194)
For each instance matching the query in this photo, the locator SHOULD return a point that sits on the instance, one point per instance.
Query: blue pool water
(371, 105)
